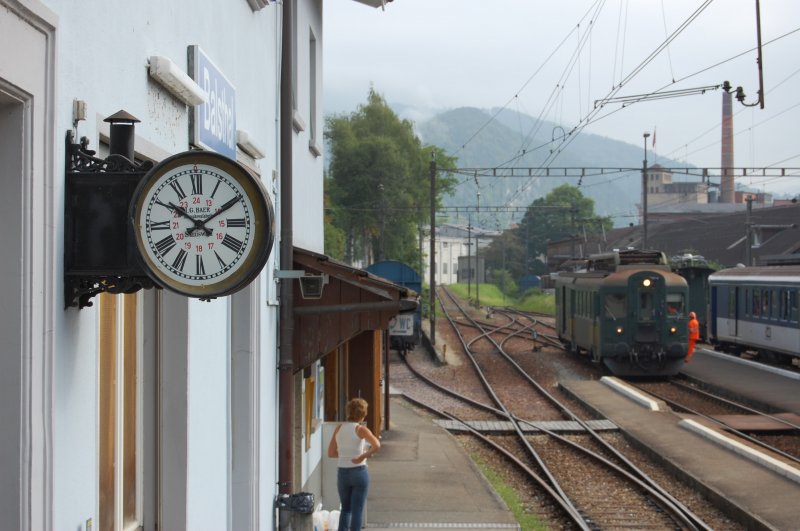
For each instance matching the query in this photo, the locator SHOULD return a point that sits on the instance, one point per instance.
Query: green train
(627, 310)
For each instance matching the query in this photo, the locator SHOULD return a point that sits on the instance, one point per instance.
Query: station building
(150, 409)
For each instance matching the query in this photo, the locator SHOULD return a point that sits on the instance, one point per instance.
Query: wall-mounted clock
(203, 224)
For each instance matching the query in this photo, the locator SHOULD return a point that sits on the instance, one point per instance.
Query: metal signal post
(433, 250)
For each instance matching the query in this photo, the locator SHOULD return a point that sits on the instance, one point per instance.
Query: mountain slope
(489, 139)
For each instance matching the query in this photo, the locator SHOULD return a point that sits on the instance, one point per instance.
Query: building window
(119, 412)
(313, 400)
(444, 268)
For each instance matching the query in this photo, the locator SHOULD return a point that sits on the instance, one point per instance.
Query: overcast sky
(553, 59)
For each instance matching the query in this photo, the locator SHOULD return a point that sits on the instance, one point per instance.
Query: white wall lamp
(374, 3)
(176, 81)
(311, 286)
(248, 145)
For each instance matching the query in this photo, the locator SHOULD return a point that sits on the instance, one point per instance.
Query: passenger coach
(628, 311)
(755, 308)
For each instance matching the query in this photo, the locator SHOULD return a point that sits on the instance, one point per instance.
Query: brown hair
(356, 410)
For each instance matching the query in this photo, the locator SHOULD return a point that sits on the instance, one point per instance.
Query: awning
(352, 301)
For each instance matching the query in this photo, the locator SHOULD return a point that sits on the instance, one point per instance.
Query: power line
(577, 172)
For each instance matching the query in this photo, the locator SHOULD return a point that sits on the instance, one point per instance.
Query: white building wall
(208, 424)
(448, 250)
(308, 165)
(101, 55)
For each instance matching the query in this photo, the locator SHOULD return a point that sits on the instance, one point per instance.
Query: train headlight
(646, 282)
(672, 330)
(620, 330)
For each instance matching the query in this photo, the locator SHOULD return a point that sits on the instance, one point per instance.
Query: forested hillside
(479, 141)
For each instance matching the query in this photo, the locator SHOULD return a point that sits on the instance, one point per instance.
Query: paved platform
(749, 492)
(423, 479)
(759, 383)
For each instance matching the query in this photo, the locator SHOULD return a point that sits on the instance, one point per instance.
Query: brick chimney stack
(726, 188)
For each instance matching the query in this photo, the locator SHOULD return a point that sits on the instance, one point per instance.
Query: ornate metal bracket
(99, 253)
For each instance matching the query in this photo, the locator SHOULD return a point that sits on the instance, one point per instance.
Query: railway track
(716, 409)
(606, 491)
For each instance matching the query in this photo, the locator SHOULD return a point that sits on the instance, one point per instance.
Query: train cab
(627, 311)
(644, 321)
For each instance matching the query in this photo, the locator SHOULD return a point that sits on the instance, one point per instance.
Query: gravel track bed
(548, 366)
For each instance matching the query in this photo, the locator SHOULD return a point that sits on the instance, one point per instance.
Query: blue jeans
(352, 484)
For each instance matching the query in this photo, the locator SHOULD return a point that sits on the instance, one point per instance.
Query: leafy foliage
(378, 182)
(504, 282)
(561, 214)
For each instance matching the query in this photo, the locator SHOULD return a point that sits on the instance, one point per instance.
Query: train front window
(646, 306)
(675, 304)
(615, 306)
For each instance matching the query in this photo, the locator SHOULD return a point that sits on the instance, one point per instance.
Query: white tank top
(350, 445)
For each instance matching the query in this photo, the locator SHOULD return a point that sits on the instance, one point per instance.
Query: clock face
(203, 224)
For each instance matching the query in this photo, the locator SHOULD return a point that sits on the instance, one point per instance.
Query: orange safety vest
(694, 329)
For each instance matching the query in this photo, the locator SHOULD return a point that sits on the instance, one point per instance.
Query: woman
(353, 443)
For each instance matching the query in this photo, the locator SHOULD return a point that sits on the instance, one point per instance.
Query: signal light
(672, 330)
(646, 282)
(620, 330)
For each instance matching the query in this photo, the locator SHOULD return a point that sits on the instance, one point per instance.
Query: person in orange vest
(694, 335)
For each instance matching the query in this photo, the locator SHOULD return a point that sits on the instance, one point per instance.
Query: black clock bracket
(99, 251)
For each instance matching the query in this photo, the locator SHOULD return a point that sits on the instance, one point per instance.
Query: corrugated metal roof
(718, 237)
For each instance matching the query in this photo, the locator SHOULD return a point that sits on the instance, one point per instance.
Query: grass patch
(533, 300)
(526, 521)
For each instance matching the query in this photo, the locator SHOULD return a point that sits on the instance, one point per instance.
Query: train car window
(765, 304)
(675, 304)
(732, 303)
(775, 296)
(756, 303)
(616, 306)
(793, 305)
(785, 308)
(646, 306)
(747, 302)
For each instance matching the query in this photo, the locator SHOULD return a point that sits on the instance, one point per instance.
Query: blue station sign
(213, 123)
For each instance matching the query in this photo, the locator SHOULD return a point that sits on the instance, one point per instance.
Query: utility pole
(469, 258)
(572, 212)
(527, 249)
(748, 227)
(644, 194)
(382, 249)
(477, 263)
(433, 249)
(421, 240)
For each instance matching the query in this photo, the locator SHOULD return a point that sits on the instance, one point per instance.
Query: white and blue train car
(756, 309)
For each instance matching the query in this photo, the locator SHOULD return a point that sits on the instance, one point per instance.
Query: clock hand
(182, 212)
(222, 209)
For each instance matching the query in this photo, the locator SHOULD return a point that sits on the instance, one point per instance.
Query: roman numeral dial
(203, 224)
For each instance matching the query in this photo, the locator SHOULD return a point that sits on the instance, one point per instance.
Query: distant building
(452, 243)
(661, 190)
(668, 200)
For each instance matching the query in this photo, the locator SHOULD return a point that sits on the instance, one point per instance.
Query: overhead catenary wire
(593, 118)
(518, 91)
(589, 118)
(526, 150)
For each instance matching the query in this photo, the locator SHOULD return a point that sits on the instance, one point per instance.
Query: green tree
(379, 182)
(562, 214)
(506, 252)
(504, 282)
(334, 236)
